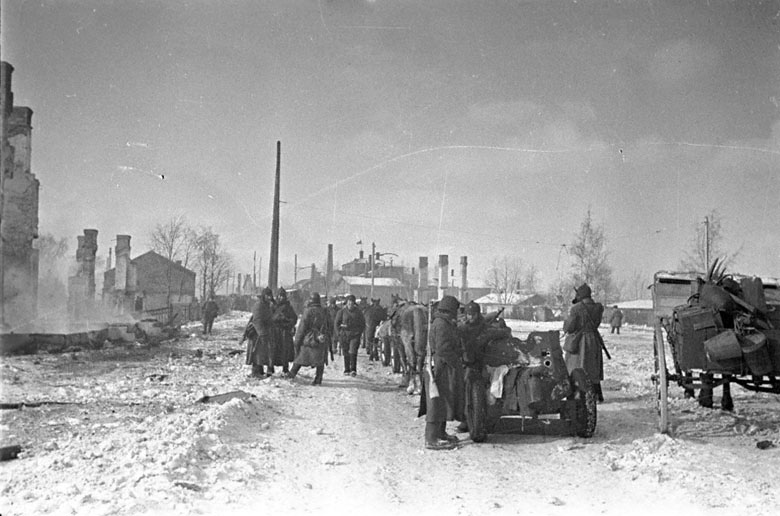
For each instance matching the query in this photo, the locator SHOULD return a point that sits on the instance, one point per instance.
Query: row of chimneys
(444, 263)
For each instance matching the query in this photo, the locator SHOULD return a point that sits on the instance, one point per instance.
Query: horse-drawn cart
(529, 380)
(714, 331)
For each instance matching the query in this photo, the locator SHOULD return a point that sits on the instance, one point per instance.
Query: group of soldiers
(451, 351)
(454, 349)
(273, 340)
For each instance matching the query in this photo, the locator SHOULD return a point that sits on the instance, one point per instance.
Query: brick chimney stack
(422, 283)
(88, 263)
(464, 282)
(444, 264)
(122, 257)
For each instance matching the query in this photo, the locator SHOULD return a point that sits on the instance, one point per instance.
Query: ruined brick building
(18, 210)
(147, 282)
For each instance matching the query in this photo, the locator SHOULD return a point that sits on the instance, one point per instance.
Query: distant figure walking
(210, 311)
(616, 320)
(312, 340)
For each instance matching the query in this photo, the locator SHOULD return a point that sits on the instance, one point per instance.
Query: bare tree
(213, 262)
(589, 251)
(695, 257)
(505, 277)
(531, 279)
(176, 241)
(638, 285)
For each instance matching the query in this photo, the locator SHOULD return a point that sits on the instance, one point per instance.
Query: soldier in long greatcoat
(446, 352)
(315, 319)
(258, 352)
(584, 318)
(350, 325)
(284, 319)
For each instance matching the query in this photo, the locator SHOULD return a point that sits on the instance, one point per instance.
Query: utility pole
(254, 273)
(295, 275)
(273, 265)
(706, 244)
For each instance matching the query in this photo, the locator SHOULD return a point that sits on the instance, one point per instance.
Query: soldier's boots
(437, 439)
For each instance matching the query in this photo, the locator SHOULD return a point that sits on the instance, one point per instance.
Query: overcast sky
(476, 128)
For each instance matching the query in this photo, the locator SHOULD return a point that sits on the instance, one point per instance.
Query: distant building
(517, 305)
(147, 283)
(384, 288)
(638, 312)
(19, 214)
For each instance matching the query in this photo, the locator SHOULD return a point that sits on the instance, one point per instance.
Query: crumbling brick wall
(20, 213)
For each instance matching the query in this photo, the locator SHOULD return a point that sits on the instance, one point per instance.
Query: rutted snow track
(134, 439)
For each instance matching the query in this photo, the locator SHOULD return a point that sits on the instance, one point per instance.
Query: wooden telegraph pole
(273, 265)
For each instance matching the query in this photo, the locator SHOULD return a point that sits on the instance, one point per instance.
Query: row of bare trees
(198, 249)
(589, 257)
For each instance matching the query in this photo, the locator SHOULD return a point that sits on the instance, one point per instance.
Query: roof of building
(151, 255)
(378, 282)
(493, 298)
(691, 276)
(637, 304)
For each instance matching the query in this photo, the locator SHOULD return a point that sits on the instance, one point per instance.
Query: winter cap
(268, 292)
(473, 308)
(282, 292)
(351, 298)
(449, 304)
(315, 298)
(583, 291)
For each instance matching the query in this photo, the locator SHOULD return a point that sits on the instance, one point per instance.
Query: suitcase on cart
(692, 326)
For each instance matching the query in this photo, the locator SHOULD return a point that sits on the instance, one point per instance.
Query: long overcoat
(585, 317)
(283, 319)
(258, 350)
(446, 351)
(616, 319)
(314, 318)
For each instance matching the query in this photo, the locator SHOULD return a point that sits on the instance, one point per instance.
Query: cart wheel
(476, 414)
(387, 352)
(585, 414)
(660, 379)
(397, 366)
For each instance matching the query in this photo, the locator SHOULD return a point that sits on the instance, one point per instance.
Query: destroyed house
(18, 210)
(156, 278)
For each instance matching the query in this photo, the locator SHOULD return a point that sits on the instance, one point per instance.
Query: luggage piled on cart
(727, 328)
(727, 332)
